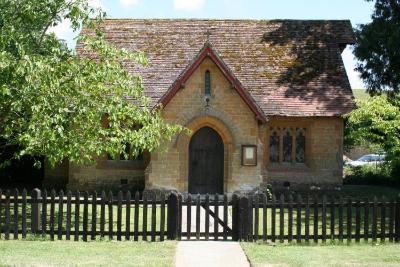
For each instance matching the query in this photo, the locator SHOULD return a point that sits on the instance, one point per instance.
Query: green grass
(98, 214)
(356, 191)
(64, 253)
(328, 255)
(320, 228)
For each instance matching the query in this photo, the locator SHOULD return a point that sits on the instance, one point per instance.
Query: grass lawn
(64, 253)
(328, 255)
(355, 191)
(360, 94)
(98, 212)
(311, 223)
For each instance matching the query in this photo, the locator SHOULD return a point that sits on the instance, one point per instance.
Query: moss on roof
(289, 67)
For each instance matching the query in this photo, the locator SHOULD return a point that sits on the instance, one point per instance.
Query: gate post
(241, 218)
(35, 211)
(173, 216)
(244, 214)
(235, 217)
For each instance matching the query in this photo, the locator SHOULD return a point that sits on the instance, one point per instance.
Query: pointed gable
(208, 52)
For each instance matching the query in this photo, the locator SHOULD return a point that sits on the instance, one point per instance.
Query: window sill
(288, 167)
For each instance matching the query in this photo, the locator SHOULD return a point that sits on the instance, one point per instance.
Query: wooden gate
(200, 217)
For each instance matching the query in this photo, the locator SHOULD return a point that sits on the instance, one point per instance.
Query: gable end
(208, 51)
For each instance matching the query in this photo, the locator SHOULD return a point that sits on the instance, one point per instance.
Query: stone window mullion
(301, 145)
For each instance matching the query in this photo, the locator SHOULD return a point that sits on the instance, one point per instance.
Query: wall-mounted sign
(249, 155)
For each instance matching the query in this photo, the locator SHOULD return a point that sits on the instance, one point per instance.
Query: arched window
(207, 83)
(274, 147)
(287, 146)
(300, 145)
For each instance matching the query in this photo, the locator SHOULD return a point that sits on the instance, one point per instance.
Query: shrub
(382, 174)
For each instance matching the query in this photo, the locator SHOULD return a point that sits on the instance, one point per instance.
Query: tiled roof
(289, 67)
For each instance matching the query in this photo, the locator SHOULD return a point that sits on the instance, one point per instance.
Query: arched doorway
(206, 162)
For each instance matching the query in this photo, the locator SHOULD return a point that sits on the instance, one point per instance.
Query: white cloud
(64, 31)
(96, 4)
(129, 3)
(350, 64)
(188, 5)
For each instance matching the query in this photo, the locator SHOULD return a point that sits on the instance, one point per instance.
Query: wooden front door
(206, 162)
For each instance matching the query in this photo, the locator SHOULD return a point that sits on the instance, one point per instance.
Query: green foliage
(377, 48)
(53, 103)
(376, 121)
(380, 174)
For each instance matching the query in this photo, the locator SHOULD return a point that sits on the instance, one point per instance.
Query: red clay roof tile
(289, 67)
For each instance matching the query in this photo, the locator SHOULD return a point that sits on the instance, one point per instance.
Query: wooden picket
(207, 216)
(253, 217)
(162, 217)
(265, 217)
(298, 218)
(128, 216)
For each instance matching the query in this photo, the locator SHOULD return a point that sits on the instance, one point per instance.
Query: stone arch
(183, 140)
(215, 117)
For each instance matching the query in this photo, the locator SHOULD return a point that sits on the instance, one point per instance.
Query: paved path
(209, 254)
(203, 220)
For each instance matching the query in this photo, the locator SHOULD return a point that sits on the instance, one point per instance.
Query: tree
(376, 122)
(378, 48)
(53, 103)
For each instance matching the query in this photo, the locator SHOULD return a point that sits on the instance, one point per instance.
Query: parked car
(369, 159)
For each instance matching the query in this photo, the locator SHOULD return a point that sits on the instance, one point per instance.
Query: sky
(357, 11)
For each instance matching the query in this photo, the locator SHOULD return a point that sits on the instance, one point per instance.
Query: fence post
(243, 218)
(235, 217)
(172, 223)
(397, 221)
(35, 210)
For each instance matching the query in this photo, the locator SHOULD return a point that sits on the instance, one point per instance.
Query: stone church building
(263, 99)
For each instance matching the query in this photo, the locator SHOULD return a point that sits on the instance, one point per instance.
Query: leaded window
(274, 147)
(207, 83)
(287, 146)
(300, 146)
